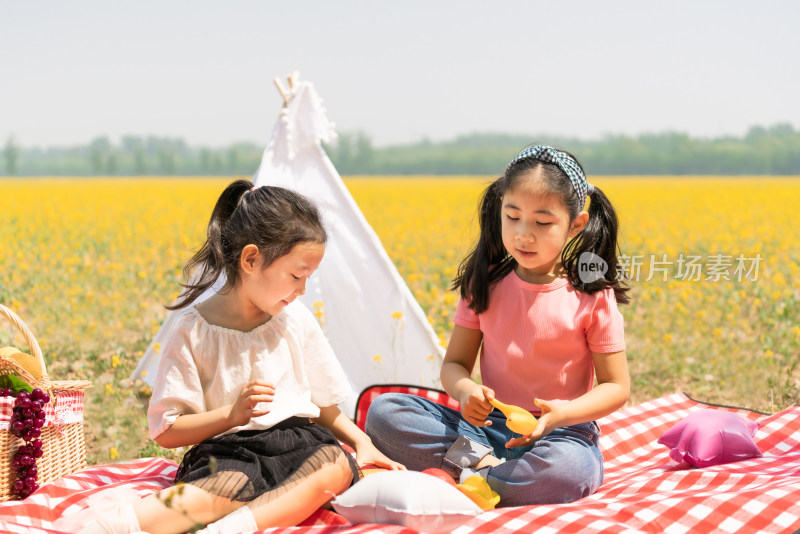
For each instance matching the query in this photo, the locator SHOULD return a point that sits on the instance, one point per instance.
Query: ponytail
(488, 261)
(209, 261)
(599, 237)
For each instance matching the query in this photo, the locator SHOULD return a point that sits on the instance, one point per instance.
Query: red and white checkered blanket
(644, 491)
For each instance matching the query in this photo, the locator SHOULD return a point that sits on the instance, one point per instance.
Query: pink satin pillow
(711, 437)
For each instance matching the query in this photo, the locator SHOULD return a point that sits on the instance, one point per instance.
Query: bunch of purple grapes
(26, 423)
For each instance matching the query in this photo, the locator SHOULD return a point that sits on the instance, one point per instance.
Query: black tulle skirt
(262, 464)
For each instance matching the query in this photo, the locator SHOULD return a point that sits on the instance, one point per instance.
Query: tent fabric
(644, 490)
(374, 324)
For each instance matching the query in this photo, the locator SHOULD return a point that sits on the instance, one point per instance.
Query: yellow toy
(477, 489)
(518, 419)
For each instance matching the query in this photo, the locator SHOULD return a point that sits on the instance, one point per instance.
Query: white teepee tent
(376, 327)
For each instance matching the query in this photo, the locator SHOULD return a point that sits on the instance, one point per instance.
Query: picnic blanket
(644, 490)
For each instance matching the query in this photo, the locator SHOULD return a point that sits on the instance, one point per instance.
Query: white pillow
(407, 498)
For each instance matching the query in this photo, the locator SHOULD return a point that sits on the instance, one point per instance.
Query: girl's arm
(610, 394)
(459, 360)
(332, 418)
(191, 429)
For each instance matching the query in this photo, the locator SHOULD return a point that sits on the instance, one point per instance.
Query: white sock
(240, 520)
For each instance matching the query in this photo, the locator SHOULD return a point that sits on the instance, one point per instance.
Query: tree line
(132, 156)
(773, 150)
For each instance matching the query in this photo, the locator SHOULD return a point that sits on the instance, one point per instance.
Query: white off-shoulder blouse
(204, 367)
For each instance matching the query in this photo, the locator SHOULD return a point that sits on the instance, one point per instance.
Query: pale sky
(399, 71)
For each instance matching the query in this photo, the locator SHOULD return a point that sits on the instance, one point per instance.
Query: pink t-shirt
(538, 339)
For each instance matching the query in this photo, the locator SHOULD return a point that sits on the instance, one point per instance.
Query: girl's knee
(334, 478)
(553, 487)
(380, 412)
(542, 478)
(564, 484)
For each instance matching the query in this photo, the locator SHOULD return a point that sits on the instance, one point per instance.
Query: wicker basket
(63, 443)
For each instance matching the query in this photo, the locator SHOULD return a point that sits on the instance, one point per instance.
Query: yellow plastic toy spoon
(477, 489)
(518, 419)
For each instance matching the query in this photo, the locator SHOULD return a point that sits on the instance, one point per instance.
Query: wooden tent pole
(284, 95)
(293, 78)
(287, 95)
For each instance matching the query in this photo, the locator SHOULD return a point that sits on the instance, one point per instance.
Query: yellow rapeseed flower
(132, 256)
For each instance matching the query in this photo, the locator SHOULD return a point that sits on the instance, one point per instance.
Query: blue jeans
(563, 466)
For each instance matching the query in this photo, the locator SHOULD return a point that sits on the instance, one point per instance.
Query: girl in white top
(243, 374)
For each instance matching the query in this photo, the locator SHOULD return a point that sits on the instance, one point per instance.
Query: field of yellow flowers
(90, 263)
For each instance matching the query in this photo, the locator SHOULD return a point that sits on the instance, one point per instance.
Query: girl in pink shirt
(539, 296)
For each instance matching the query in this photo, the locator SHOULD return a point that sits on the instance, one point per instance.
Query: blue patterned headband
(565, 163)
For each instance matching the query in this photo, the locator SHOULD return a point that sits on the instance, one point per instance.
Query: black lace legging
(256, 466)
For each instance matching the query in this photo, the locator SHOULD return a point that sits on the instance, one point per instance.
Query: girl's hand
(367, 453)
(475, 405)
(547, 422)
(346, 431)
(244, 408)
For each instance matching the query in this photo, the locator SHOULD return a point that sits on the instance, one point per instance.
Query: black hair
(489, 262)
(272, 218)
